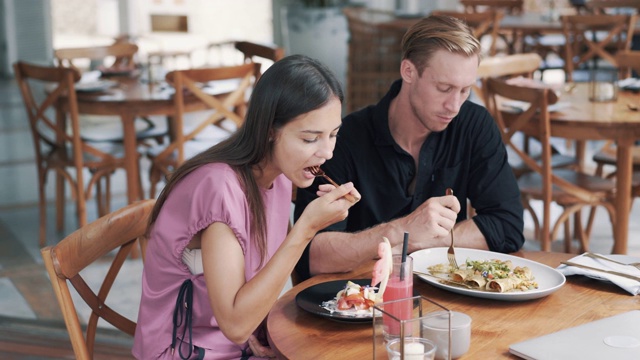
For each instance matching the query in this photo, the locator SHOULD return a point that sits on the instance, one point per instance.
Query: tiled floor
(25, 291)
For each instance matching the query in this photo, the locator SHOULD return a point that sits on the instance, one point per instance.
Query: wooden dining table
(128, 99)
(298, 334)
(583, 120)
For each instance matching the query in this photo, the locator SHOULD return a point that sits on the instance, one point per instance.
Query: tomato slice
(343, 304)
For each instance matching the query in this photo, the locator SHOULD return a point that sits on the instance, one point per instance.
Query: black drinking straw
(405, 245)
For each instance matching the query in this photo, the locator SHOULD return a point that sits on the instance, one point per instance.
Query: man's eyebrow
(441, 83)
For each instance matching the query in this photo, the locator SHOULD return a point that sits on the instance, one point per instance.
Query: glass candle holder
(603, 85)
(411, 329)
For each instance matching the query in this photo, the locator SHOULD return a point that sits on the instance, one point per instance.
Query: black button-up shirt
(468, 156)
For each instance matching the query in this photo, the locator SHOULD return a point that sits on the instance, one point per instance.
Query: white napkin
(630, 285)
(90, 76)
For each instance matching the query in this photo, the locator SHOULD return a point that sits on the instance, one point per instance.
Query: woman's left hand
(260, 350)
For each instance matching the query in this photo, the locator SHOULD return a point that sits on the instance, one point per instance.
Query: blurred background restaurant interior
(170, 34)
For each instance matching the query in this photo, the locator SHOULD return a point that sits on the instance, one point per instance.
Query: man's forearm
(467, 234)
(341, 252)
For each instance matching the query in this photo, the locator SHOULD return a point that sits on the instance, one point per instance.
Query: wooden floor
(38, 339)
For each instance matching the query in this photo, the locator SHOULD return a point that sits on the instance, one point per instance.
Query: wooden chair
(115, 59)
(509, 67)
(197, 131)
(612, 6)
(507, 7)
(481, 23)
(585, 44)
(254, 52)
(606, 156)
(119, 55)
(58, 147)
(108, 238)
(570, 189)
(511, 7)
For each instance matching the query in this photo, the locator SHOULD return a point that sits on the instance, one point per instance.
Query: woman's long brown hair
(291, 87)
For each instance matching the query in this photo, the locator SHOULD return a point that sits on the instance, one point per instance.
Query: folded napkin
(90, 76)
(630, 285)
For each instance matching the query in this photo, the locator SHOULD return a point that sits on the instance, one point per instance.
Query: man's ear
(408, 71)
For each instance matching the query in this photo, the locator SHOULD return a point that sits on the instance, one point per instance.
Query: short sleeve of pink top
(212, 193)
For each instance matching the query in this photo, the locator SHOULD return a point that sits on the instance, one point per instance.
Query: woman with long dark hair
(219, 253)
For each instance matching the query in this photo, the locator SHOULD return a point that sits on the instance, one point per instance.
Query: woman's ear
(408, 71)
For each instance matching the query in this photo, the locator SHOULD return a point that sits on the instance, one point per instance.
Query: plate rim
(98, 85)
(512, 296)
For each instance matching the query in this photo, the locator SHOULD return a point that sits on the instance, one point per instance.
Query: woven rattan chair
(570, 189)
(108, 238)
(58, 145)
(374, 55)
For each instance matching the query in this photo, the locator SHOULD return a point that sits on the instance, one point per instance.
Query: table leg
(131, 158)
(623, 196)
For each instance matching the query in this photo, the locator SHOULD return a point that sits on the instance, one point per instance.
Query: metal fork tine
(318, 172)
(451, 255)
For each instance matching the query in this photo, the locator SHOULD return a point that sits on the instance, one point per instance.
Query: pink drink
(398, 289)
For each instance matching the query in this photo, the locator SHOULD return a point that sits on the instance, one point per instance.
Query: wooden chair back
(583, 43)
(121, 54)
(481, 24)
(612, 6)
(254, 52)
(110, 237)
(55, 128)
(569, 188)
(507, 67)
(190, 96)
(628, 60)
(511, 7)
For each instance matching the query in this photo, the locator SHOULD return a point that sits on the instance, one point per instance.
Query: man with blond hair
(404, 152)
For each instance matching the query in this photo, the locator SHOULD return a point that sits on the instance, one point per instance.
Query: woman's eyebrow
(316, 132)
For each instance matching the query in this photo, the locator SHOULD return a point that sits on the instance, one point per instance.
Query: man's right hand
(432, 220)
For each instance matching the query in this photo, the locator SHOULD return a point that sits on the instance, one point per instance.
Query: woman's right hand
(330, 207)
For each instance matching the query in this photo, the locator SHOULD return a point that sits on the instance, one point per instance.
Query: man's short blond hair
(438, 32)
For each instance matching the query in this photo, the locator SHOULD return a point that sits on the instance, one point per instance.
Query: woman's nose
(325, 151)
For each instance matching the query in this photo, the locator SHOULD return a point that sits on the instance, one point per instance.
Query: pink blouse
(211, 193)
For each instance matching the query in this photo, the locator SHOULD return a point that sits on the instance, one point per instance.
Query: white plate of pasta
(539, 280)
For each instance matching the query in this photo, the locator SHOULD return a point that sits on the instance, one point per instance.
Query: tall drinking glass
(400, 286)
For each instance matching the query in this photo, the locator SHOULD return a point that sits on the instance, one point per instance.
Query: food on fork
(488, 275)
